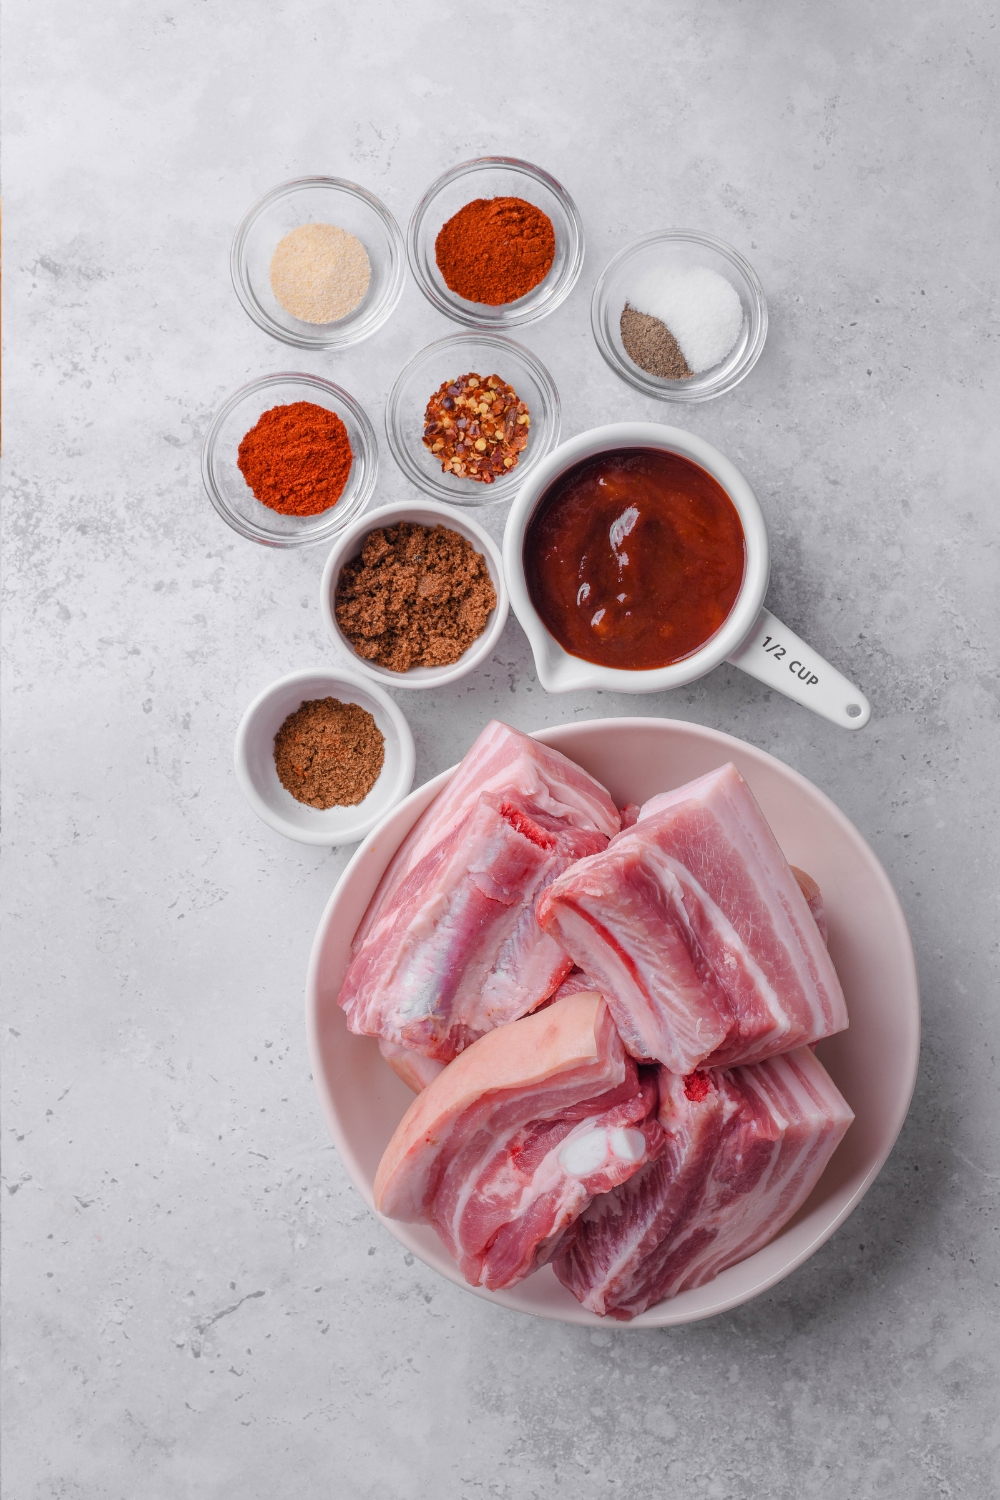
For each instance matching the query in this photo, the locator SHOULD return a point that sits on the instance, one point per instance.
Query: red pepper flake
(476, 427)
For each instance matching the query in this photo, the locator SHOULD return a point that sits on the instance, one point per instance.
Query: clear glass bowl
(235, 500)
(484, 354)
(679, 247)
(496, 177)
(318, 200)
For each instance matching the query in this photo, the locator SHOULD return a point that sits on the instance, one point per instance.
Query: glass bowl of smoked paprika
(296, 454)
(495, 243)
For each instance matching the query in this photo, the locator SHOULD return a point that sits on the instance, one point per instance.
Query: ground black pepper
(650, 344)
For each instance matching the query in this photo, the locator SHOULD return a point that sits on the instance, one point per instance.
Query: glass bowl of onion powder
(680, 315)
(319, 263)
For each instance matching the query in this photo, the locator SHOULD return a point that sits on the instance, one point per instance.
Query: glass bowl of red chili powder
(480, 247)
(299, 459)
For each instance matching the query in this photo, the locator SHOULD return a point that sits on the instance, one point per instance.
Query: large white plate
(873, 1063)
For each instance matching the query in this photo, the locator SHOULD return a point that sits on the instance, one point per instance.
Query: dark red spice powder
(297, 458)
(494, 250)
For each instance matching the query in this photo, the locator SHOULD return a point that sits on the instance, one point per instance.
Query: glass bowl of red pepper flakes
(233, 498)
(496, 177)
(444, 366)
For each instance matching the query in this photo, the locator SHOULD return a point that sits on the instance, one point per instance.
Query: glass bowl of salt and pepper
(680, 315)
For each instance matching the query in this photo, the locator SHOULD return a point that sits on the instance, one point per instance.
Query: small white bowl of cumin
(464, 598)
(257, 772)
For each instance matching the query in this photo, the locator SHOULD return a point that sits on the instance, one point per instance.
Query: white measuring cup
(752, 638)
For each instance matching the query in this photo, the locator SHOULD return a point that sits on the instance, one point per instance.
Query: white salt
(701, 308)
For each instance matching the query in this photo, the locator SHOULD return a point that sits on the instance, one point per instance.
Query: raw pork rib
(500, 760)
(694, 928)
(506, 1147)
(744, 1150)
(450, 946)
(416, 1070)
(460, 950)
(814, 899)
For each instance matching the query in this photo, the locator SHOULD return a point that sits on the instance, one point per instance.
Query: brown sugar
(418, 596)
(328, 753)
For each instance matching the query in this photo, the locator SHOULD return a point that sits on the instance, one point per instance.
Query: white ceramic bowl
(873, 1063)
(462, 354)
(558, 672)
(425, 513)
(254, 758)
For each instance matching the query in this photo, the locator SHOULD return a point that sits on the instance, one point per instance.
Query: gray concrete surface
(197, 1302)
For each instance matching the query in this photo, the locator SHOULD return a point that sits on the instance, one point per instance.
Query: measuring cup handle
(776, 656)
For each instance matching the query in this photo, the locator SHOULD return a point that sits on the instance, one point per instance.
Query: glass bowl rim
(364, 326)
(247, 529)
(560, 291)
(430, 484)
(649, 384)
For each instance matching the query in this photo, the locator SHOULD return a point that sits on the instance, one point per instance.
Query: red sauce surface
(634, 558)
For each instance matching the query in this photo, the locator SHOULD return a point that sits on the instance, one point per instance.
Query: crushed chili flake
(477, 427)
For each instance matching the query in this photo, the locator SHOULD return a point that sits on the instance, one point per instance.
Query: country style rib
(414, 1068)
(744, 1149)
(506, 1147)
(500, 760)
(697, 932)
(450, 946)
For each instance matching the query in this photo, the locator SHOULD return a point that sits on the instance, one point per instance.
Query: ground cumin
(328, 753)
(418, 596)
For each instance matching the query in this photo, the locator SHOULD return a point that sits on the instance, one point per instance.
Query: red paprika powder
(297, 458)
(494, 250)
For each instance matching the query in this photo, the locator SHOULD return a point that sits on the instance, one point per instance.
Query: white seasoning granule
(320, 273)
(701, 309)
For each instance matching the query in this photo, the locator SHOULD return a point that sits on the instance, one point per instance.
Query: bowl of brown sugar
(414, 595)
(321, 755)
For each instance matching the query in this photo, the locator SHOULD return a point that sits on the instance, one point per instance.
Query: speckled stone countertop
(198, 1304)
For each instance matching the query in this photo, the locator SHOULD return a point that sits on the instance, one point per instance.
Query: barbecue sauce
(634, 558)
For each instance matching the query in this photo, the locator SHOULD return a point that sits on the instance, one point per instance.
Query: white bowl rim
(497, 317)
(424, 512)
(362, 327)
(681, 391)
(357, 502)
(557, 670)
(658, 1315)
(321, 838)
(431, 484)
